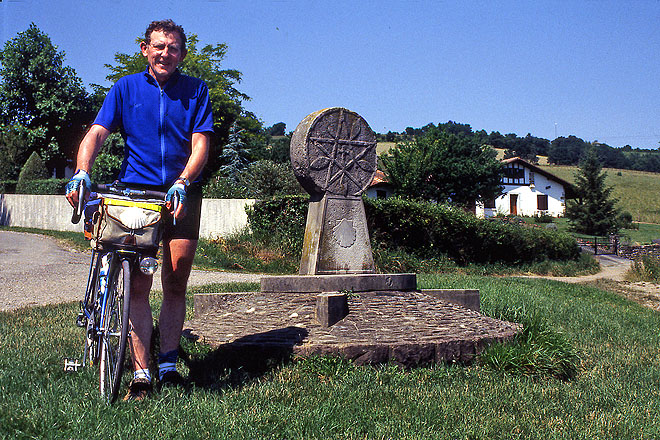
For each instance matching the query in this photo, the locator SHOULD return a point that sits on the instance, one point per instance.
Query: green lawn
(614, 395)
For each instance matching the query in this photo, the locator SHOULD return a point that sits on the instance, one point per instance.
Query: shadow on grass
(235, 364)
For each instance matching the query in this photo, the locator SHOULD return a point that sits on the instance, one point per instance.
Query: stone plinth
(336, 238)
(408, 328)
(331, 307)
(338, 283)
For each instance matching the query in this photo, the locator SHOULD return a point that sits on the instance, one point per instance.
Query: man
(165, 119)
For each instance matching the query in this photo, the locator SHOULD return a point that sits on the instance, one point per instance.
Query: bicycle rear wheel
(114, 331)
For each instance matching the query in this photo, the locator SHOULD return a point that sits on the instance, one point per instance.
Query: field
(638, 191)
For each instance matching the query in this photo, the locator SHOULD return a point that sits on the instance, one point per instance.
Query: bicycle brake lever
(175, 205)
(77, 212)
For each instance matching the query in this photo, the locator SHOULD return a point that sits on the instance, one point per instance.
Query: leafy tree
(443, 167)
(278, 129)
(594, 211)
(566, 151)
(13, 151)
(265, 179)
(42, 98)
(227, 102)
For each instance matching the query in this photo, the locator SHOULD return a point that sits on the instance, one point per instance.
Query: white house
(379, 188)
(528, 191)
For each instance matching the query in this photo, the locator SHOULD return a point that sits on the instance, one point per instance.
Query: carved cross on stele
(342, 156)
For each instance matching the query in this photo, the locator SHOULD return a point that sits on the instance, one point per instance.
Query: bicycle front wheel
(114, 332)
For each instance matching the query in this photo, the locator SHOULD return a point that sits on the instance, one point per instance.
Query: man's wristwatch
(185, 181)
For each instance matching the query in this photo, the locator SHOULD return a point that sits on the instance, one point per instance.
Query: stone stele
(333, 154)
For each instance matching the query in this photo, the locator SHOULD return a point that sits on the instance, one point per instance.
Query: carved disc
(334, 151)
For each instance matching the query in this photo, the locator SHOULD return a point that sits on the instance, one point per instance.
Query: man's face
(163, 53)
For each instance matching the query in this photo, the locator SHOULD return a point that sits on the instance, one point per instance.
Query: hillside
(638, 191)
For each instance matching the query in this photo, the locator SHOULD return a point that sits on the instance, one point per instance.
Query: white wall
(527, 198)
(220, 217)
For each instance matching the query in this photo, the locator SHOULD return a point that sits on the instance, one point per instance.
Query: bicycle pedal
(80, 320)
(71, 365)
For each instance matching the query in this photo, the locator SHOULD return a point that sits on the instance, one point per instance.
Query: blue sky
(588, 68)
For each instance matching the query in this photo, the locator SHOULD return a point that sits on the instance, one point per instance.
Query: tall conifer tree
(594, 212)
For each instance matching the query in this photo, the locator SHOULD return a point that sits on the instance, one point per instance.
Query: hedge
(42, 186)
(423, 229)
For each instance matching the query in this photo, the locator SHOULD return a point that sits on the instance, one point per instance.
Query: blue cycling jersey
(157, 124)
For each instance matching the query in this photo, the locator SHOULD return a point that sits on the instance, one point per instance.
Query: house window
(542, 202)
(514, 175)
(489, 203)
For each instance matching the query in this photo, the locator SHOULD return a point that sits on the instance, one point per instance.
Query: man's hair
(167, 26)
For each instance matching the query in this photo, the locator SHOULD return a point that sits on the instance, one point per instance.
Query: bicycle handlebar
(116, 190)
(128, 192)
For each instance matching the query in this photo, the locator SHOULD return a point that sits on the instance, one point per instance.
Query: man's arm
(87, 152)
(199, 155)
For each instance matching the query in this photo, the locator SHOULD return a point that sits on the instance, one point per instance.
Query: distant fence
(220, 217)
(601, 245)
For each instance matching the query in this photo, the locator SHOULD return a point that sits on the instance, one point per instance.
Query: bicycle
(119, 247)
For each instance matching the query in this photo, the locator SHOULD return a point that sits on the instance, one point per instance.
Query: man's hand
(72, 188)
(176, 191)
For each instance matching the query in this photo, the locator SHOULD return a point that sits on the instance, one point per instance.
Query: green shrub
(106, 168)
(7, 186)
(43, 186)
(222, 187)
(433, 230)
(625, 221)
(34, 169)
(543, 218)
(404, 232)
(280, 221)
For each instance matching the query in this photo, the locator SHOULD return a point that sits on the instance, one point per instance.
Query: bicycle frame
(104, 311)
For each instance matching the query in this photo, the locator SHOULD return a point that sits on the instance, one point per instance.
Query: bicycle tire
(115, 331)
(89, 307)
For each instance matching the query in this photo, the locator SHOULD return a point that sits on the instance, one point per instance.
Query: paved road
(36, 270)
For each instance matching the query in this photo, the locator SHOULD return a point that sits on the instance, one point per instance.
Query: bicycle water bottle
(103, 272)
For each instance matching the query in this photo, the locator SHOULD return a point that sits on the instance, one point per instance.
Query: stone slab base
(337, 283)
(409, 328)
(468, 298)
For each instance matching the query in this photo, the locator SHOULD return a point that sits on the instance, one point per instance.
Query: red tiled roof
(379, 178)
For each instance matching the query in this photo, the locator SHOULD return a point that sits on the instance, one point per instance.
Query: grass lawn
(644, 233)
(614, 395)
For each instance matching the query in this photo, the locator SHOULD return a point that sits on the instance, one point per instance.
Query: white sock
(142, 374)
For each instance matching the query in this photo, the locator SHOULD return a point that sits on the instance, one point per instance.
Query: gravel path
(37, 270)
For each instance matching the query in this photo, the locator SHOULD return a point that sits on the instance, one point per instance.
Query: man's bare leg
(141, 320)
(178, 257)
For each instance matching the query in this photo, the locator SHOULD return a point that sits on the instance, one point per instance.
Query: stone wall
(220, 217)
(638, 251)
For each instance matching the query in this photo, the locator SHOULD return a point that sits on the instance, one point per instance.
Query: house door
(513, 204)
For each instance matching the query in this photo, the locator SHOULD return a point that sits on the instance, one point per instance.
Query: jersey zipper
(162, 135)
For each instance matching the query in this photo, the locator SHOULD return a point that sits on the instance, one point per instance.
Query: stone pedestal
(336, 238)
